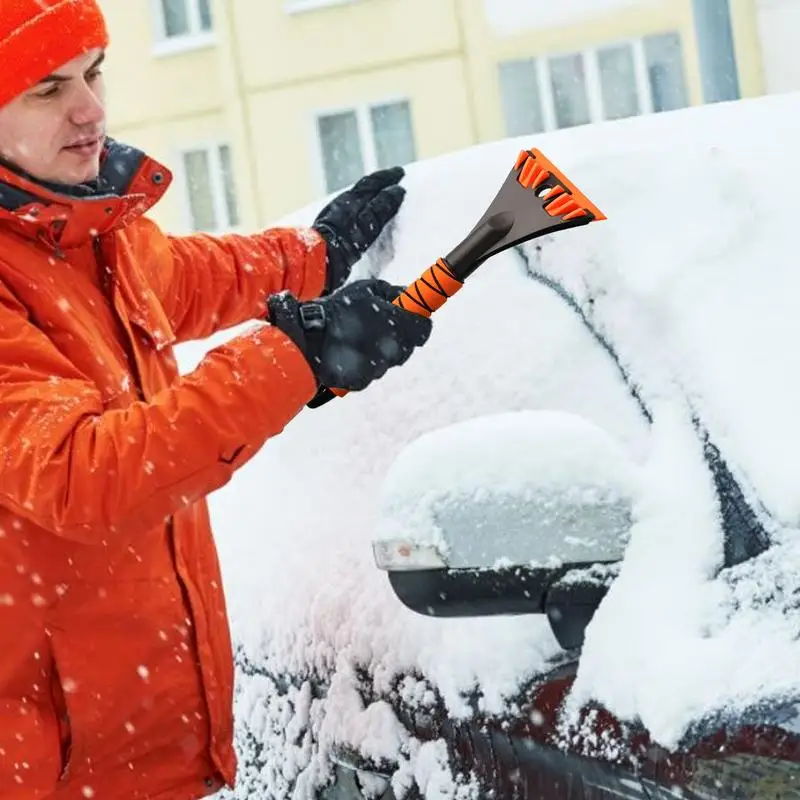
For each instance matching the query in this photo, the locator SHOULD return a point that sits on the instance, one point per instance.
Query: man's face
(55, 131)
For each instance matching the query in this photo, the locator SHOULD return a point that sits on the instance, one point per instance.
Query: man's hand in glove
(354, 336)
(353, 220)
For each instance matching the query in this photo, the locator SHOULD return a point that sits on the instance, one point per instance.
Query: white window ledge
(175, 45)
(299, 6)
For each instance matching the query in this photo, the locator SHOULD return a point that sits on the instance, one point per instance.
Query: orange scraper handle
(428, 293)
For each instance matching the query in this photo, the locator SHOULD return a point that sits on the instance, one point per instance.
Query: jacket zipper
(107, 288)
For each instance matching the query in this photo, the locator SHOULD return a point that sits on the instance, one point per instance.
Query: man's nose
(88, 108)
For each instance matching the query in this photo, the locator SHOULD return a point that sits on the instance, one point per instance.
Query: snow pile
(663, 606)
(693, 280)
(510, 16)
(508, 453)
(534, 475)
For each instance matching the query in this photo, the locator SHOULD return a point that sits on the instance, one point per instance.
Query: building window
(612, 81)
(355, 141)
(717, 51)
(665, 75)
(521, 97)
(184, 21)
(210, 189)
(569, 90)
(618, 87)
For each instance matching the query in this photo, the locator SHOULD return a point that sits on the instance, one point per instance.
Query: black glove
(353, 220)
(352, 337)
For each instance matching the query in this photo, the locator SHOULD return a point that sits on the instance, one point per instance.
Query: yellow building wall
(143, 86)
(164, 140)
(267, 73)
(486, 49)
(292, 66)
(749, 58)
(278, 49)
(288, 167)
(160, 103)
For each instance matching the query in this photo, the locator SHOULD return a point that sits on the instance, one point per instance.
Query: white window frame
(301, 6)
(196, 39)
(365, 134)
(218, 199)
(594, 92)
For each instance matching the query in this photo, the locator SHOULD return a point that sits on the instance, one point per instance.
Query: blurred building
(260, 106)
(779, 31)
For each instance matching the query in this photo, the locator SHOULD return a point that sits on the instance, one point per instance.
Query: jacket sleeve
(86, 474)
(209, 283)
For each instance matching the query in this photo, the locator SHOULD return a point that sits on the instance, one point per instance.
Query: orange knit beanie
(39, 36)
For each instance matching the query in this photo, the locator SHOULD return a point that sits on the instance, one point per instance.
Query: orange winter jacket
(115, 660)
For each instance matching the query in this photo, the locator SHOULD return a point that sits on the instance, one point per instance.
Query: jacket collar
(61, 216)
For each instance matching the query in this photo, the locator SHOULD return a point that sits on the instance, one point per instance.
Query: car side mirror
(518, 513)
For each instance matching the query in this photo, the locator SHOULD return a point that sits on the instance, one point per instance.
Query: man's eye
(93, 75)
(51, 91)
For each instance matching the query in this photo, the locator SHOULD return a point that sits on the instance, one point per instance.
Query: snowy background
(694, 280)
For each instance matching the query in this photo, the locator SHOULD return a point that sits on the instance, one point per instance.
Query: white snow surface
(509, 451)
(517, 454)
(694, 279)
(507, 17)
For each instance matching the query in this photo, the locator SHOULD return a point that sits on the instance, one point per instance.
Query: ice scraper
(536, 198)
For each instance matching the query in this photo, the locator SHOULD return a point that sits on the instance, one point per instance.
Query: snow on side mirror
(517, 513)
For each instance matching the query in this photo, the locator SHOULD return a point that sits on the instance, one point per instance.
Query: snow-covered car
(557, 554)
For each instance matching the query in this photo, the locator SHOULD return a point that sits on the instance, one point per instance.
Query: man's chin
(73, 174)
(79, 165)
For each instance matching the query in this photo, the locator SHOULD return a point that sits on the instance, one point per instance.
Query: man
(116, 668)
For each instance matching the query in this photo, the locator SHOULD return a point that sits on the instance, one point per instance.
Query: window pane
(522, 102)
(176, 17)
(664, 56)
(394, 136)
(568, 78)
(618, 82)
(715, 45)
(201, 197)
(204, 7)
(341, 149)
(228, 184)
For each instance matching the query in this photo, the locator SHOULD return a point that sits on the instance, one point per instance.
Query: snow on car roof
(694, 279)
